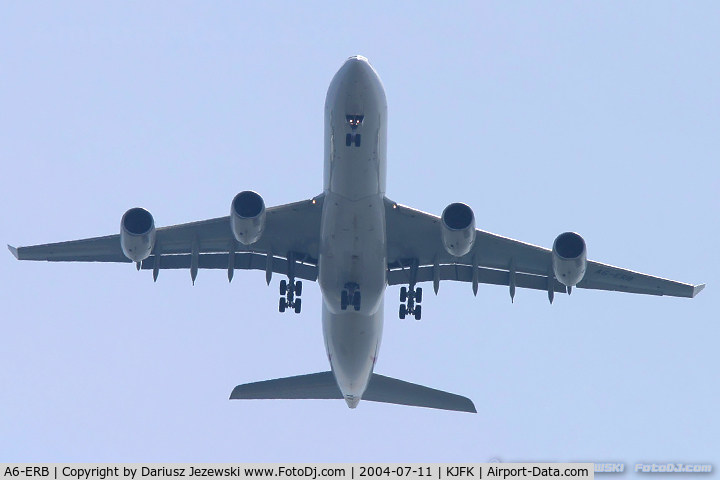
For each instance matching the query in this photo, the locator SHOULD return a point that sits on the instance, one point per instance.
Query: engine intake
(569, 258)
(137, 234)
(247, 217)
(458, 229)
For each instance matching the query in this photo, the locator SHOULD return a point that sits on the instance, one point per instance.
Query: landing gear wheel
(356, 301)
(418, 295)
(348, 140)
(283, 305)
(283, 287)
(298, 305)
(357, 140)
(344, 300)
(403, 311)
(403, 294)
(418, 312)
(298, 288)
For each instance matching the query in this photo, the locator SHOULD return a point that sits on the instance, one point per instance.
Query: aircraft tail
(380, 389)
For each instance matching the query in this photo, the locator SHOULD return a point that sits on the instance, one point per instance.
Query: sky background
(597, 117)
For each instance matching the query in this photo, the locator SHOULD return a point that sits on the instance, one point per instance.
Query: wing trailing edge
(380, 389)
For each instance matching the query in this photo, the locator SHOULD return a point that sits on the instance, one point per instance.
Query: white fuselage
(353, 243)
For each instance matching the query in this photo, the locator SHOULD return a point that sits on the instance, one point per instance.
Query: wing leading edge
(289, 245)
(416, 254)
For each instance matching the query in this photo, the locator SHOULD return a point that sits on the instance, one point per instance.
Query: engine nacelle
(569, 258)
(247, 217)
(458, 229)
(137, 234)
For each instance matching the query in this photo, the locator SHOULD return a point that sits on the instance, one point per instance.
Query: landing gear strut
(289, 295)
(410, 302)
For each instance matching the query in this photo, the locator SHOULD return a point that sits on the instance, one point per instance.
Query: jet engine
(569, 258)
(247, 217)
(458, 229)
(137, 234)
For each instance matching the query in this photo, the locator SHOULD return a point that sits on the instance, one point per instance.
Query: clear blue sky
(602, 118)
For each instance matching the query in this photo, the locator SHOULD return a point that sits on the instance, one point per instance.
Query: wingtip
(697, 289)
(235, 394)
(14, 251)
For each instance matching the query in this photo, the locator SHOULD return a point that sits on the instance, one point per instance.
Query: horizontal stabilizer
(390, 390)
(380, 389)
(315, 385)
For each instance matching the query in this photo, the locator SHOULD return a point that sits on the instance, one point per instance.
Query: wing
(416, 254)
(288, 246)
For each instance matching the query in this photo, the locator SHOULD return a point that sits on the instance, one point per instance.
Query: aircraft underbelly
(353, 251)
(352, 260)
(352, 342)
(353, 254)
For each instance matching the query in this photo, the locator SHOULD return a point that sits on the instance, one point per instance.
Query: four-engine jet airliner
(354, 242)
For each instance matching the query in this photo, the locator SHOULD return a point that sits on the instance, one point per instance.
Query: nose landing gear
(288, 293)
(353, 138)
(410, 302)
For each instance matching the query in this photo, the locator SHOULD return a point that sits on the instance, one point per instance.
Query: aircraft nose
(357, 68)
(354, 86)
(358, 59)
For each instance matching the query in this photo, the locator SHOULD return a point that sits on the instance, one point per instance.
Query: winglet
(14, 251)
(697, 289)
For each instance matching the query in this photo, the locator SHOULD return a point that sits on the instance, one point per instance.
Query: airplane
(355, 242)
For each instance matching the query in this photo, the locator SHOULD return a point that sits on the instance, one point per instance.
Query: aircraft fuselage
(352, 264)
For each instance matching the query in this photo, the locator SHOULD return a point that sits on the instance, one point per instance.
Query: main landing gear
(288, 293)
(410, 302)
(350, 296)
